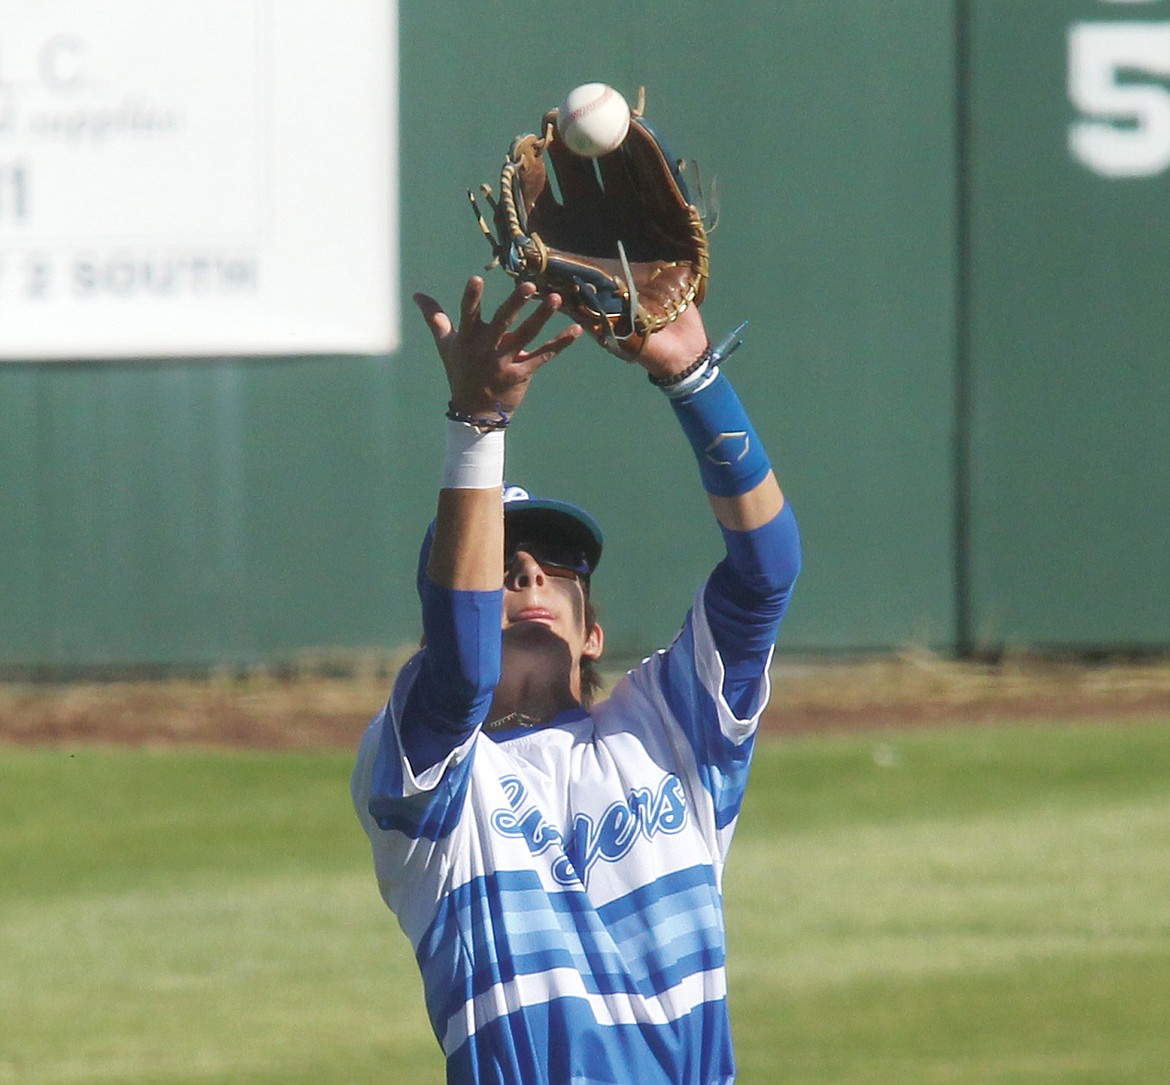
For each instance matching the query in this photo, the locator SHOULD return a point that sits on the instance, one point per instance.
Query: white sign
(197, 177)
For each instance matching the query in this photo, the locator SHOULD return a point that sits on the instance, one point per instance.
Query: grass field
(969, 906)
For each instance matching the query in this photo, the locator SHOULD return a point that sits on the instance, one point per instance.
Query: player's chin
(534, 636)
(531, 629)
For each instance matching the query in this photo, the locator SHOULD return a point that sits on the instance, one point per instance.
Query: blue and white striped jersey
(561, 887)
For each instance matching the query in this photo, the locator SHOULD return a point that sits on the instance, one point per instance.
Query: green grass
(190, 917)
(973, 906)
(983, 906)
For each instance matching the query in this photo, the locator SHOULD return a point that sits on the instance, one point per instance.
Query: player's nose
(523, 572)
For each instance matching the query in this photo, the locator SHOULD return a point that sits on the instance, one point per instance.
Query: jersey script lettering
(609, 837)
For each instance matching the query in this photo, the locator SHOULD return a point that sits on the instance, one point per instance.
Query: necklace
(514, 719)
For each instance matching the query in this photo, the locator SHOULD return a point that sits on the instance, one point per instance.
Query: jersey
(562, 887)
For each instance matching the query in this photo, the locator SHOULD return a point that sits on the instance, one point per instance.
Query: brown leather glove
(624, 245)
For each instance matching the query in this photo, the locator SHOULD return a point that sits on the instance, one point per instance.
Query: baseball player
(557, 864)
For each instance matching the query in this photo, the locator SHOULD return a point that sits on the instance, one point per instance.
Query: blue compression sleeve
(731, 457)
(746, 597)
(459, 672)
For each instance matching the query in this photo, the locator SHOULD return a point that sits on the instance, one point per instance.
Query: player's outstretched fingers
(537, 319)
(471, 305)
(511, 307)
(433, 313)
(546, 352)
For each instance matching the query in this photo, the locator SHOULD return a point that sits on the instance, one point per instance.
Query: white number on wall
(1113, 79)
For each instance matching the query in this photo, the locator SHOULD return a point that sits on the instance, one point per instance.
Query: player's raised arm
(748, 592)
(489, 366)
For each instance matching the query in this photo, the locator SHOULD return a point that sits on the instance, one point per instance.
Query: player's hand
(677, 345)
(488, 365)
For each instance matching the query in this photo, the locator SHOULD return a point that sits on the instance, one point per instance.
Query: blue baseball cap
(529, 518)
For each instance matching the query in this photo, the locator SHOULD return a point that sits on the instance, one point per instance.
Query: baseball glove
(624, 244)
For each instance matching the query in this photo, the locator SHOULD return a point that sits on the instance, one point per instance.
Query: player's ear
(594, 642)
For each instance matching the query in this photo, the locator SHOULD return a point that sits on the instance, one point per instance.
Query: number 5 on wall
(1126, 127)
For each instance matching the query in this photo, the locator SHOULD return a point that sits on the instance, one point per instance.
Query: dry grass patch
(327, 702)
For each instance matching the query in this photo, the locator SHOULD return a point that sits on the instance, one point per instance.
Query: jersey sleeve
(390, 789)
(458, 671)
(679, 693)
(413, 766)
(409, 816)
(732, 624)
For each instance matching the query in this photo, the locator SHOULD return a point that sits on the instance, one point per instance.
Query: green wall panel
(201, 514)
(1070, 336)
(22, 620)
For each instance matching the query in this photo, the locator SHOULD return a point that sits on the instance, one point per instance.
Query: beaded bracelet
(484, 424)
(699, 363)
(710, 357)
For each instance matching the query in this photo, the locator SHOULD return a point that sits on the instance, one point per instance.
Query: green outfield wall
(947, 224)
(1068, 337)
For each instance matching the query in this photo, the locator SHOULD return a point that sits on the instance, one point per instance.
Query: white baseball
(593, 120)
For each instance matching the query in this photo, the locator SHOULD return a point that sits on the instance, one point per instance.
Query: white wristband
(474, 460)
(696, 382)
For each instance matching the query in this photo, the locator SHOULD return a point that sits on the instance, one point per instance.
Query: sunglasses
(556, 560)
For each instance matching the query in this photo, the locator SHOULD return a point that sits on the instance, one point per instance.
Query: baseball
(593, 120)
